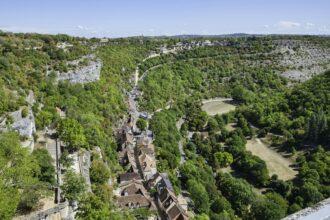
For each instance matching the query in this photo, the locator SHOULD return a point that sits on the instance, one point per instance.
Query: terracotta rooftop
(174, 212)
(133, 201)
(129, 176)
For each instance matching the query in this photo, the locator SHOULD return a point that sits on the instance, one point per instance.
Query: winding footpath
(182, 153)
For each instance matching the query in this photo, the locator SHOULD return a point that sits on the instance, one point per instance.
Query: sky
(121, 18)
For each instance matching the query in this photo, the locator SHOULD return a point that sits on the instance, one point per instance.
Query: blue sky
(165, 17)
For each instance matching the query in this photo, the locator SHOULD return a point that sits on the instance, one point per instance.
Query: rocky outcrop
(84, 165)
(25, 126)
(82, 74)
(302, 59)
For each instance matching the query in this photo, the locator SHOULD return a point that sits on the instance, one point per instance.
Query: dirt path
(276, 163)
(182, 153)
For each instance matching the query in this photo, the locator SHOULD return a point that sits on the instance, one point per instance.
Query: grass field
(276, 163)
(218, 106)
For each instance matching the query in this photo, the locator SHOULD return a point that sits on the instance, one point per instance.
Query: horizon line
(174, 35)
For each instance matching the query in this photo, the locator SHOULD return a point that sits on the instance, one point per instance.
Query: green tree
(25, 112)
(223, 159)
(74, 186)
(267, 210)
(9, 200)
(29, 200)
(244, 125)
(72, 133)
(43, 118)
(99, 172)
(47, 170)
(212, 125)
(317, 127)
(65, 160)
(238, 192)
(202, 217)
(103, 191)
(199, 196)
(197, 120)
(241, 94)
(294, 208)
(221, 204)
(310, 194)
(254, 168)
(92, 207)
(17, 173)
(141, 124)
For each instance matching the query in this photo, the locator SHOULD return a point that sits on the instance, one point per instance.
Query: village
(137, 184)
(141, 186)
(137, 155)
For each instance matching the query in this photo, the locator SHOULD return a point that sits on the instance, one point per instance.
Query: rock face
(302, 59)
(89, 73)
(84, 164)
(25, 126)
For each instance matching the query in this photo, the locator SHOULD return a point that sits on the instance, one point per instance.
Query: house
(132, 194)
(175, 213)
(147, 165)
(126, 158)
(128, 141)
(104, 40)
(174, 208)
(123, 157)
(133, 201)
(131, 188)
(160, 181)
(145, 155)
(127, 177)
(126, 136)
(168, 203)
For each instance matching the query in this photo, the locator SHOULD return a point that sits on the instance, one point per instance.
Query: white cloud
(308, 24)
(266, 26)
(80, 27)
(288, 24)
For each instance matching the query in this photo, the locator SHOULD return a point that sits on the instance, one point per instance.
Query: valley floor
(276, 163)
